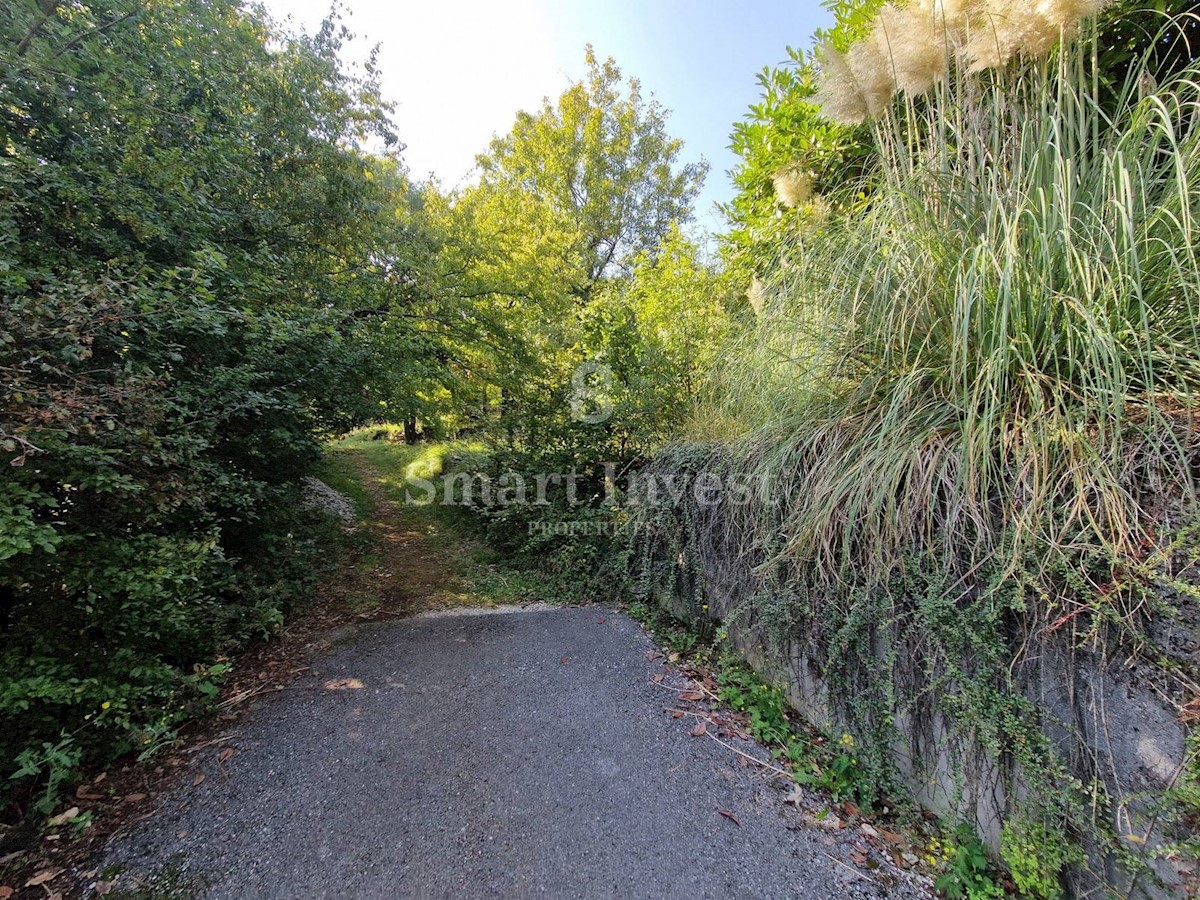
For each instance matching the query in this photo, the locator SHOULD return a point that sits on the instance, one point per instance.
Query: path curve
(502, 755)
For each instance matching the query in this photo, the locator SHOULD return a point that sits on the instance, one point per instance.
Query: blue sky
(459, 70)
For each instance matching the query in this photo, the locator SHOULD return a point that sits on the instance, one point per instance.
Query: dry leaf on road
(43, 877)
(64, 817)
(342, 684)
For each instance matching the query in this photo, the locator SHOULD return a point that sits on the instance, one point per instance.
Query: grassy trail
(414, 557)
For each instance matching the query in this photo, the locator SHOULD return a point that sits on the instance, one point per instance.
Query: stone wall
(1114, 722)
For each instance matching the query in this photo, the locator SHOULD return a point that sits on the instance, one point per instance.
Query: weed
(968, 872)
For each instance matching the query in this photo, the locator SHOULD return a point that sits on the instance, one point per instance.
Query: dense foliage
(613, 312)
(180, 232)
(971, 387)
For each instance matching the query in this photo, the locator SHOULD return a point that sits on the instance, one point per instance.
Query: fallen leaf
(565, 660)
(891, 837)
(691, 696)
(898, 859)
(730, 816)
(650, 654)
(43, 877)
(859, 858)
(868, 830)
(828, 821)
(99, 778)
(343, 684)
(82, 793)
(699, 730)
(135, 798)
(850, 809)
(64, 817)
(600, 621)
(6, 892)
(198, 779)
(673, 657)
(225, 754)
(676, 715)
(657, 679)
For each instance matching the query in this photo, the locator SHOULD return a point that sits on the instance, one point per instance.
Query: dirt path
(502, 753)
(416, 564)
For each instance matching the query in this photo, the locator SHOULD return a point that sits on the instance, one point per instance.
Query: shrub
(172, 351)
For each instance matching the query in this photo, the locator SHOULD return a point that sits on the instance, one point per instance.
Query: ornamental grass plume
(838, 93)
(1005, 28)
(919, 45)
(756, 294)
(793, 186)
(951, 14)
(912, 46)
(870, 61)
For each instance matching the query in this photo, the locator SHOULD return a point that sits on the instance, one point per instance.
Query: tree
(595, 173)
(565, 202)
(190, 224)
(785, 131)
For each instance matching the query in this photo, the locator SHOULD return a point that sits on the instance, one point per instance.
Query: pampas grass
(793, 187)
(912, 46)
(1002, 354)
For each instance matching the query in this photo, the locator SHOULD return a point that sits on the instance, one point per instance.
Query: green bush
(174, 346)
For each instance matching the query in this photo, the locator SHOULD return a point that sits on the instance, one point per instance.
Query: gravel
(516, 755)
(316, 494)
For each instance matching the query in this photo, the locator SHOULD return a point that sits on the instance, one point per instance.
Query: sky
(460, 70)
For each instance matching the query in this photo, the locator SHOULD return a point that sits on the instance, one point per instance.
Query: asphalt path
(519, 754)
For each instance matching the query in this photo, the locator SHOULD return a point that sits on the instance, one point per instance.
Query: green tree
(565, 202)
(596, 173)
(190, 230)
(679, 309)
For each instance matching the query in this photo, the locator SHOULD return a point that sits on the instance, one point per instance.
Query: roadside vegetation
(952, 327)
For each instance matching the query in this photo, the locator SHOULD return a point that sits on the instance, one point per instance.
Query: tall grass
(1001, 353)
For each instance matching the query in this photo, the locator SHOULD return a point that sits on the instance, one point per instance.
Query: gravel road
(520, 754)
